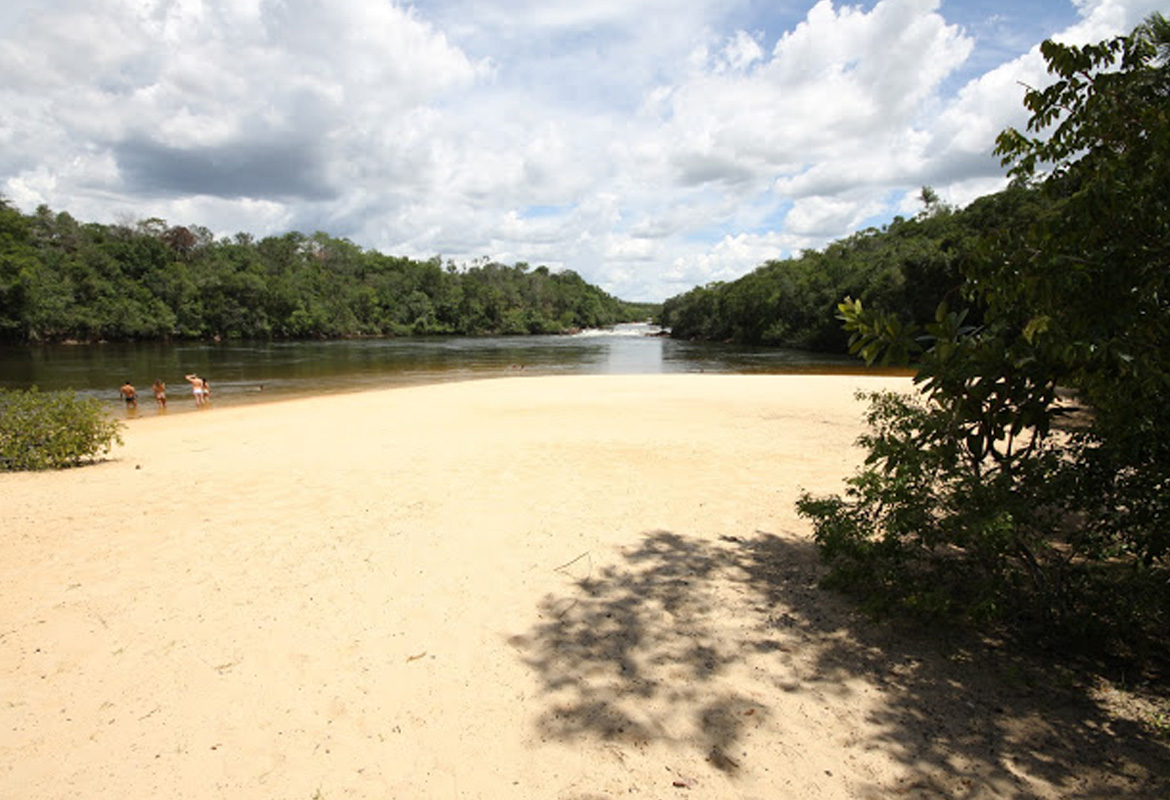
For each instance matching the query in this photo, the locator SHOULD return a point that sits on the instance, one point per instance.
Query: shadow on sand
(704, 644)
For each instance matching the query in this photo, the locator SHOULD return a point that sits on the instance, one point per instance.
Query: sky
(649, 145)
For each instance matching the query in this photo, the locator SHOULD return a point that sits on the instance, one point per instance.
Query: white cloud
(964, 133)
(1102, 19)
(837, 98)
(822, 217)
(203, 79)
(724, 260)
(649, 145)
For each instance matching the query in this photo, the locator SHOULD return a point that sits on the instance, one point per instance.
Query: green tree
(1097, 296)
(904, 268)
(981, 499)
(61, 279)
(18, 265)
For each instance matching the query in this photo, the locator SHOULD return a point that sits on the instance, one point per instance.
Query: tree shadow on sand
(709, 644)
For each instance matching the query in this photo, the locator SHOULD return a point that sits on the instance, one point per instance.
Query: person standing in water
(196, 387)
(130, 396)
(160, 394)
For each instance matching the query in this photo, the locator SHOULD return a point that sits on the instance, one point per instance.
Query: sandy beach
(548, 587)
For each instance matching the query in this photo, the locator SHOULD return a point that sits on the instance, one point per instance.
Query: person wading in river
(130, 396)
(197, 388)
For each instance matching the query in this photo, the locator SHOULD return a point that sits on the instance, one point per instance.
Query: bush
(1009, 542)
(928, 528)
(53, 430)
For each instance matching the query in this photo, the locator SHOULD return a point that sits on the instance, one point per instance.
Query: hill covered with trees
(905, 268)
(61, 279)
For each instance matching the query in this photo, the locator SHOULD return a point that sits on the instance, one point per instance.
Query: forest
(905, 268)
(65, 280)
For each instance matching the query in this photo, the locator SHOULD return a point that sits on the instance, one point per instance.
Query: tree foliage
(64, 280)
(988, 497)
(904, 268)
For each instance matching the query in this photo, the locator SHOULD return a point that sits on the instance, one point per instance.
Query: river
(250, 372)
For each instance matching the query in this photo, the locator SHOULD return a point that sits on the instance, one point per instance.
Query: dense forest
(905, 268)
(61, 280)
(64, 280)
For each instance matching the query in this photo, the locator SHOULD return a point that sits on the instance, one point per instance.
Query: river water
(250, 372)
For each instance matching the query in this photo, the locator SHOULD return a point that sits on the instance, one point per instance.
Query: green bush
(52, 430)
(928, 528)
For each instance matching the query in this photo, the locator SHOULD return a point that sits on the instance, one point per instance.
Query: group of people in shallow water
(199, 387)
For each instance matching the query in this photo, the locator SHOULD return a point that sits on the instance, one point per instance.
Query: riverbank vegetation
(904, 268)
(53, 430)
(1027, 489)
(65, 280)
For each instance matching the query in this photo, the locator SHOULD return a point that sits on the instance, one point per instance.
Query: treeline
(904, 268)
(61, 279)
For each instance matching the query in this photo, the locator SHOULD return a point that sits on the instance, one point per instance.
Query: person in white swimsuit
(196, 387)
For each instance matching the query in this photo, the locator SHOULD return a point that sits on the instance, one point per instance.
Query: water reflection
(243, 372)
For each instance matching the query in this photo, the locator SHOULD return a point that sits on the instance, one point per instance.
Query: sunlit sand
(574, 587)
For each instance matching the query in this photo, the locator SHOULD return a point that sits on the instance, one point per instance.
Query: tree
(981, 499)
(17, 264)
(904, 268)
(1097, 291)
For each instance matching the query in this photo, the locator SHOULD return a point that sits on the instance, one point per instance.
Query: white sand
(573, 587)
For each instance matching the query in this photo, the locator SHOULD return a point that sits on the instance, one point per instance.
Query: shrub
(52, 430)
(928, 528)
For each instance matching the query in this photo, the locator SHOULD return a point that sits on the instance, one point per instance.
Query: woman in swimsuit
(197, 388)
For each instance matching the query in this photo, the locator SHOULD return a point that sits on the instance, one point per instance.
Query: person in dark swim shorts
(129, 395)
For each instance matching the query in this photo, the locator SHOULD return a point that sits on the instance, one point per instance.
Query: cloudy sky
(650, 145)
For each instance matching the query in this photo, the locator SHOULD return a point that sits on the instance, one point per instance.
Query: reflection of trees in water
(709, 645)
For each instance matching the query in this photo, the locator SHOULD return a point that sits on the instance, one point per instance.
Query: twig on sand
(417, 657)
(571, 563)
